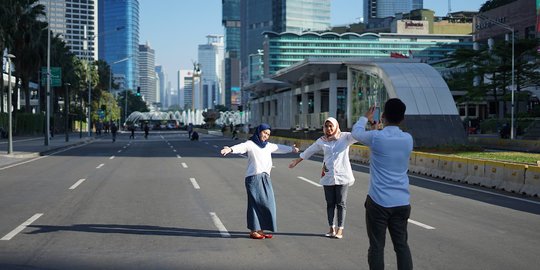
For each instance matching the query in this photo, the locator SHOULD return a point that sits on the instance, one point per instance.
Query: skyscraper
(147, 73)
(119, 37)
(68, 18)
(231, 23)
(387, 8)
(278, 16)
(164, 95)
(185, 89)
(211, 65)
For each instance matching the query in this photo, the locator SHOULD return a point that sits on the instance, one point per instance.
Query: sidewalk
(31, 147)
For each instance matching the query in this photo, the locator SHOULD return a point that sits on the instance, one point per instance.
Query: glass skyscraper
(231, 23)
(279, 16)
(119, 38)
(387, 8)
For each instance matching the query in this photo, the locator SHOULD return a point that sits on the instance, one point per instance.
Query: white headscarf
(337, 131)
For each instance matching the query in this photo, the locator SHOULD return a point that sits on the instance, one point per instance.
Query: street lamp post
(66, 111)
(10, 107)
(48, 93)
(511, 29)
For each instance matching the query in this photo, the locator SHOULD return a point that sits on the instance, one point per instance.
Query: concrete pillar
(333, 95)
(350, 121)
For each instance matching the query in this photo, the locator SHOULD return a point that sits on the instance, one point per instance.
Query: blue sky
(175, 28)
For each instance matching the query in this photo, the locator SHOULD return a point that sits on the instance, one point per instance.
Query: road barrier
(531, 185)
(510, 177)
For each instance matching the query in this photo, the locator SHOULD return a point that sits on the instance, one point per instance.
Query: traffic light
(138, 91)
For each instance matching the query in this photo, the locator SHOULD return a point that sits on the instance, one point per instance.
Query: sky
(175, 28)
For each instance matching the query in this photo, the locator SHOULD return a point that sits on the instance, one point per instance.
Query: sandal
(256, 235)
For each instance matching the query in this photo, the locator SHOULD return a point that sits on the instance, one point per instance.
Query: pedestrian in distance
(261, 205)
(194, 136)
(336, 175)
(132, 129)
(146, 131)
(388, 200)
(190, 130)
(114, 129)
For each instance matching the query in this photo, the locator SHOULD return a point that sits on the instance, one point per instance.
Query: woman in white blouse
(261, 208)
(336, 175)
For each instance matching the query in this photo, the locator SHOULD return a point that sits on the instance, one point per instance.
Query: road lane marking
(194, 182)
(421, 224)
(100, 165)
(77, 183)
(125, 147)
(206, 143)
(119, 151)
(111, 157)
(38, 158)
(309, 181)
(174, 150)
(21, 227)
(215, 146)
(222, 230)
(178, 156)
(172, 146)
(184, 165)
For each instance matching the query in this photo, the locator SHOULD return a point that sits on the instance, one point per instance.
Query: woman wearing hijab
(336, 175)
(261, 207)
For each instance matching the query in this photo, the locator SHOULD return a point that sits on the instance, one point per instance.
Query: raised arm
(236, 149)
(312, 149)
(359, 132)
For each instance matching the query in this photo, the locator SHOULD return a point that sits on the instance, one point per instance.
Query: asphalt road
(170, 203)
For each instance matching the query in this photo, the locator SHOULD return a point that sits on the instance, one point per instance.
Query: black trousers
(378, 219)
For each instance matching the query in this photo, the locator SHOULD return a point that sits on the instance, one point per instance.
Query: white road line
(222, 230)
(194, 182)
(21, 227)
(172, 146)
(309, 181)
(77, 183)
(178, 156)
(125, 147)
(100, 165)
(205, 142)
(38, 158)
(184, 165)
(111, 157)
(119, 151)
(215, 146)
(174, 150)
(421, 224)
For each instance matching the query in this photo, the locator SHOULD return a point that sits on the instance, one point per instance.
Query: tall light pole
(85, 47)
(511, 29)
(10, 107)
(66, 111)
(48, 93)
(110, 83)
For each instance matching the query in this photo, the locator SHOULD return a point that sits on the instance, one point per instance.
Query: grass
(479, 153)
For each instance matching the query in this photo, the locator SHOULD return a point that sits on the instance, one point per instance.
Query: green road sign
(56, 76)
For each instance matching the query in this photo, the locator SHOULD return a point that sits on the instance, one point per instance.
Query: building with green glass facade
(282, 50)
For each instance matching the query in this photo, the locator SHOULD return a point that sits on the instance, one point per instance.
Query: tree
(135, 103)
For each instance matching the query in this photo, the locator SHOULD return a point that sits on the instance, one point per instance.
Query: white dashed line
(77, 183)
(421, 224)
(194, 182)
(111, 157)
(100, 165)
(178, 156)
(222, 230)
(215, 146)
(174, 150)
(184, 165)
(21, 227)
(119, 151)
(309, 181)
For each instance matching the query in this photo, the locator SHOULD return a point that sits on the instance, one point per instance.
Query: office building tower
(211, 66)
(279, 16)
(378, 9)
(119, 37)
(231, 23)
(417, 4)
(147, 73)
(161, 86)
(69, 19)
(185, 88)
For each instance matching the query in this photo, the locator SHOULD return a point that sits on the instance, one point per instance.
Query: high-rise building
(374, 9)
(119, 37)
(231, 23)
(147, 73)
(161, 87)
(185, 89)
(69, 18)
(279, 16)
(211, 66)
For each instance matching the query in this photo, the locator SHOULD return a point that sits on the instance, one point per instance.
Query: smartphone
(376, 115)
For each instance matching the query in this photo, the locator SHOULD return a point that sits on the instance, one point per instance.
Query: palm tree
(7, 28)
